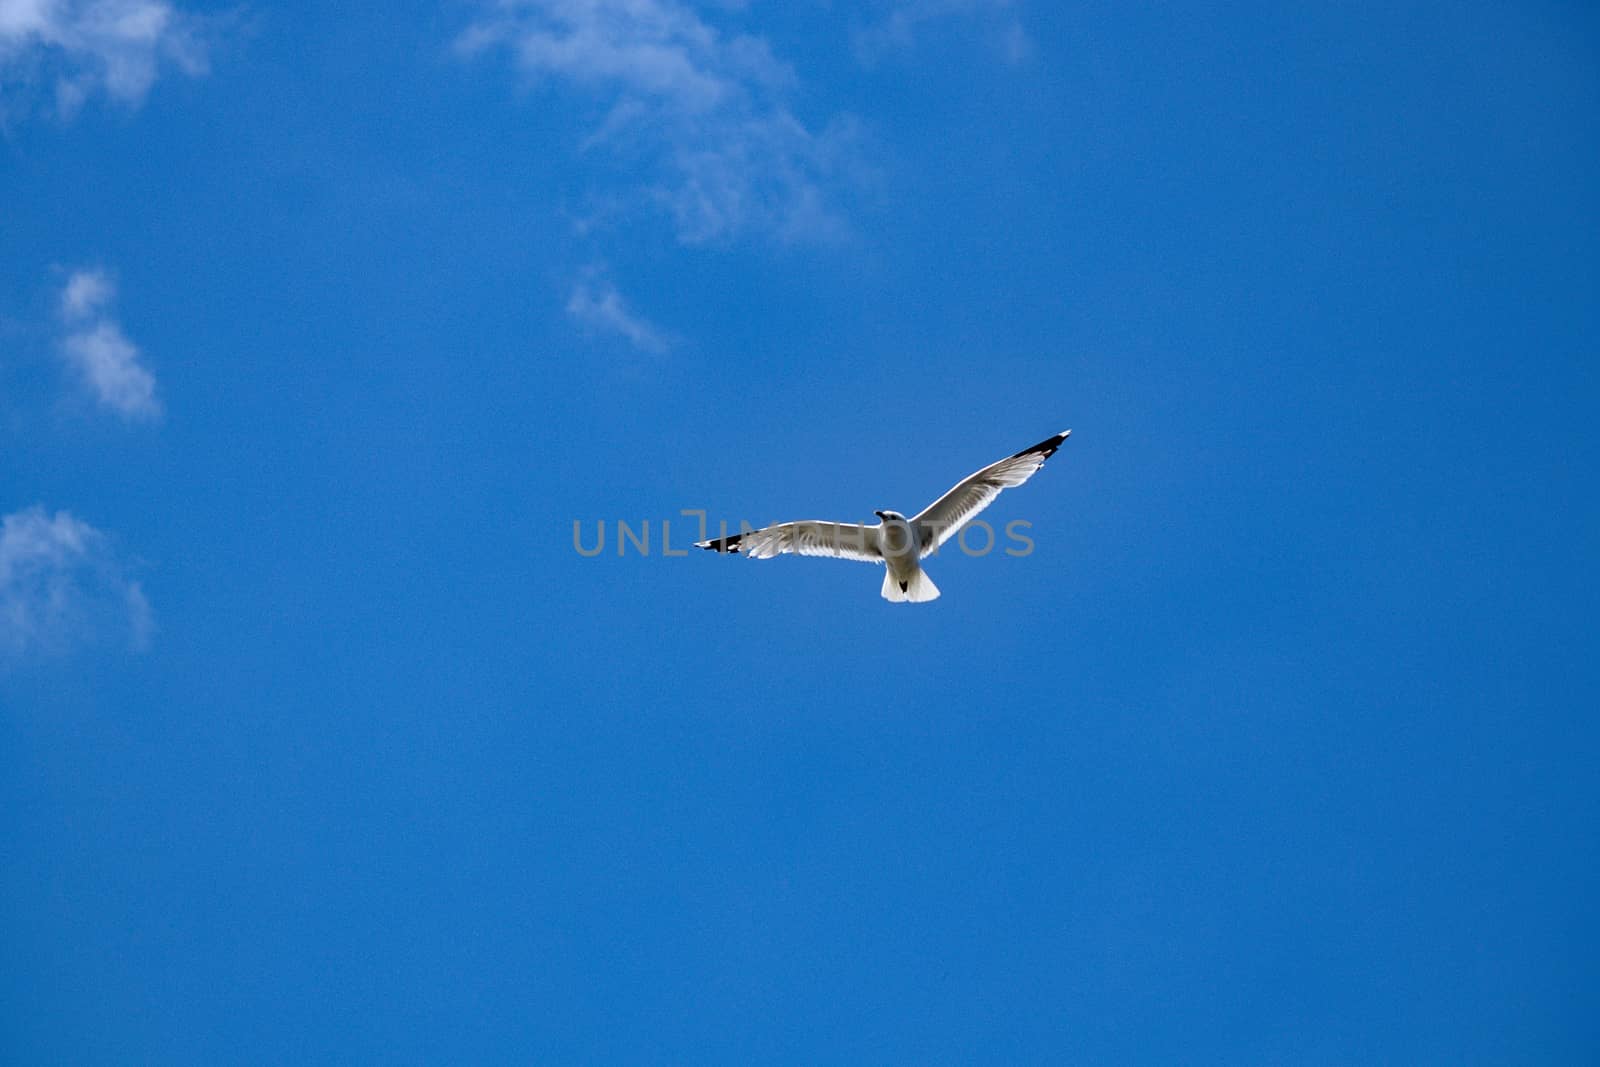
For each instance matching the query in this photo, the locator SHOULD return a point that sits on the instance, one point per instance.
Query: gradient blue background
(1281, 746)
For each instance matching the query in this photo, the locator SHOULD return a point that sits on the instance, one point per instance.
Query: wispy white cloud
(96, 348)
(704, 110)
(597, 305)
(76, 48)
(86, 294)
(903, 22)
(62, 586)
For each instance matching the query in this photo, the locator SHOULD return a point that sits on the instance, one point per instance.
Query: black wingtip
(1046, 448)
(721, 544)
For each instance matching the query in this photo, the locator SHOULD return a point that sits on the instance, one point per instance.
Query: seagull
(896, 541)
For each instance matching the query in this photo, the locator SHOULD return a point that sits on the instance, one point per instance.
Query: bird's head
(890, 516)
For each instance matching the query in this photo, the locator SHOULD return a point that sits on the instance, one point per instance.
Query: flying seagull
(896, 541)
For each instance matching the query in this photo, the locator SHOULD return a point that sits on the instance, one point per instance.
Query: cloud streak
(83, 47)
(703, 110)
(62, 587)
(906, 20)
(598, 307)
(103, 357)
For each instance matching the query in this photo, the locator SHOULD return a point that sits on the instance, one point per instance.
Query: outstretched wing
(942, 519)
(842, 540)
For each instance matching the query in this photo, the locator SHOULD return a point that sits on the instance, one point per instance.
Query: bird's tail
(915, 588)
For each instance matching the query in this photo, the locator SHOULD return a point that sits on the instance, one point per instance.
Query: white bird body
(904, 581)
(899, 543)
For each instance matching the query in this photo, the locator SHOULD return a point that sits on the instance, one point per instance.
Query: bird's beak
(878, 513)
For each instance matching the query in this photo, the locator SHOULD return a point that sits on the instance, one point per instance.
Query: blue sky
(320, 326)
